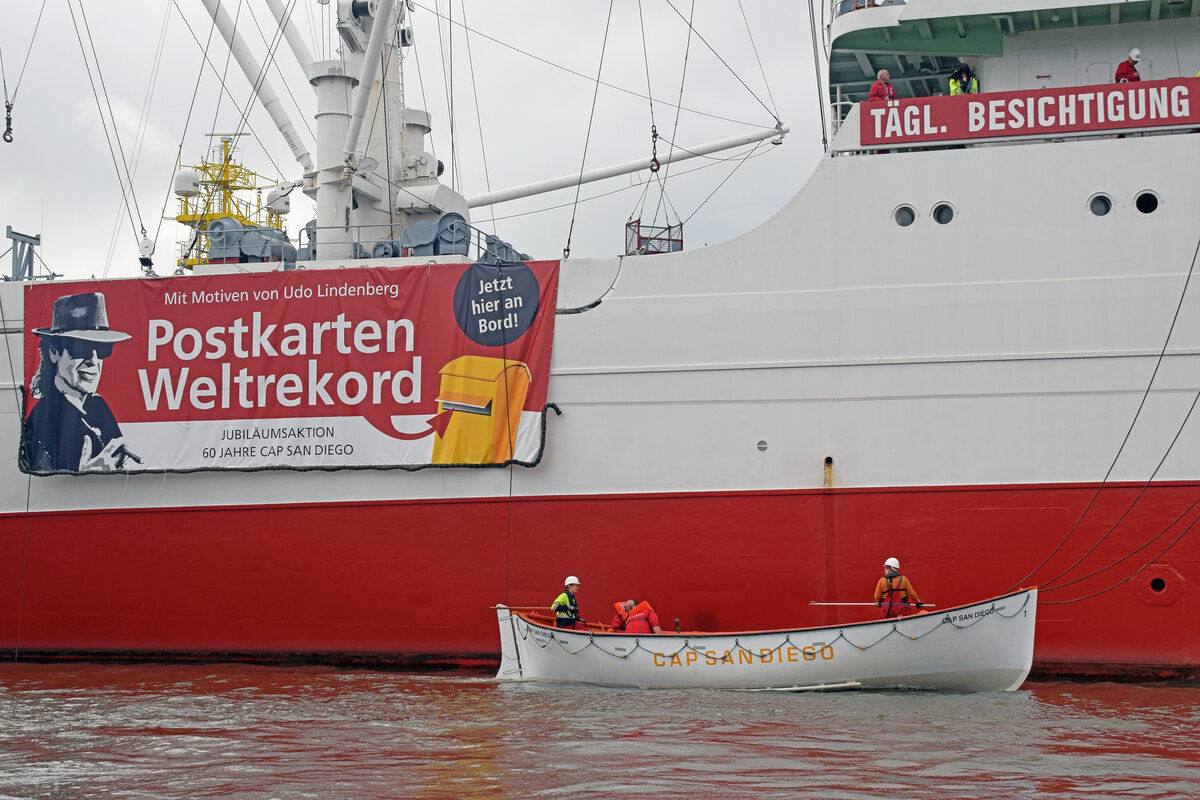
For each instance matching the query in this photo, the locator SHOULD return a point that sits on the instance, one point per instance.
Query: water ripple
(173, 731)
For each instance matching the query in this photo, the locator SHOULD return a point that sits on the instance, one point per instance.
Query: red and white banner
(1038, 112)
(326, 369)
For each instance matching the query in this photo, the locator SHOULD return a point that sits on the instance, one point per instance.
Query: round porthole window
(1100, 205)
(1146, 202)
(943, 213)
(905, 216)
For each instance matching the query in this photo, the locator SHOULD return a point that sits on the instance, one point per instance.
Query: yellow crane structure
(217, 188)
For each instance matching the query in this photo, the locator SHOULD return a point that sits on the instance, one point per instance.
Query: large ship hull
(406, 582)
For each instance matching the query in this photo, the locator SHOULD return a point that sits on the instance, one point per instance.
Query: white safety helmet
(1135, 54)
(892, 563)
(571, 579)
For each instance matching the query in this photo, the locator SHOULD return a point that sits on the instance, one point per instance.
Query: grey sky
(59, 179)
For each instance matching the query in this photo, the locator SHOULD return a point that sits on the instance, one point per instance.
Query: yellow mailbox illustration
(486, 395)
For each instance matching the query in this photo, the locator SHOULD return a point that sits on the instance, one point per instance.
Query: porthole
(1100, 204)
(1146, 202)
(943, 213)
(904, 216)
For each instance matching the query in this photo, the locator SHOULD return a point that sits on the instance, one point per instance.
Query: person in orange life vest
(641, 619)
(882, 89)
(894, 593)
(1127, 69)
(622, 616)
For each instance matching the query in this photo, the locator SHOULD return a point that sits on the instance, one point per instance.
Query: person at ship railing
(1127, 69)
(71, 428)
(566, 607)
(893, 593)
(963, 81)
(635, 617)
(882, 88)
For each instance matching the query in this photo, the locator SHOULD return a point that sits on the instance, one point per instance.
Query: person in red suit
(641, 619)
(882, 89)
(1127, 69)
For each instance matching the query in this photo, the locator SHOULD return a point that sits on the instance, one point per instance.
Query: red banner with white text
(1038, 112)
(312, 369)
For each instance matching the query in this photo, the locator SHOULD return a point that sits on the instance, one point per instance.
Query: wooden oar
(546, 613)
(815, 603)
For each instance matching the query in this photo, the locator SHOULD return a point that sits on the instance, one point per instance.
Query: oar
(815, 603)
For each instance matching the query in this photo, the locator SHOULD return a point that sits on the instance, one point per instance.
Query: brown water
(174, 731)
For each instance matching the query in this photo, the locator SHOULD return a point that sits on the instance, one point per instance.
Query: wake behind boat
(980, 647)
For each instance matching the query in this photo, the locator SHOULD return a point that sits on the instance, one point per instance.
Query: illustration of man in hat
(71, 428)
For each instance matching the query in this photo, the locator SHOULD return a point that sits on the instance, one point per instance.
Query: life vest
(622, 616)
(889, 600)
(640, 619)
(566, 607)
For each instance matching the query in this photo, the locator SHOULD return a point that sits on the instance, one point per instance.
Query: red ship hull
(407, 583)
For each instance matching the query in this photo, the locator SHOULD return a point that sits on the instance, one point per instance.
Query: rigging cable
(1129, 432)
(187, 120)
(1050, 584)
(447, 58)
(139, 140)
(10, 100)
(731, 70)
(587, 139)
(812, 27)
(260, 79)
(105, 122)
(287, 85)
(487, 179)
(421, 83)
(590, 79)
(385, 59)
(654, 163)
(225, 91)
(256, 85)
(757, 57)
(678, 108)
(450, 88)
(739, 165)
(1130, 576)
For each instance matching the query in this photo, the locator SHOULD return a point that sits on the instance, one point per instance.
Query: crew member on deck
(1127, 69)
(963, 81)
(566, 607)
(894, 594)
(882, 89)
